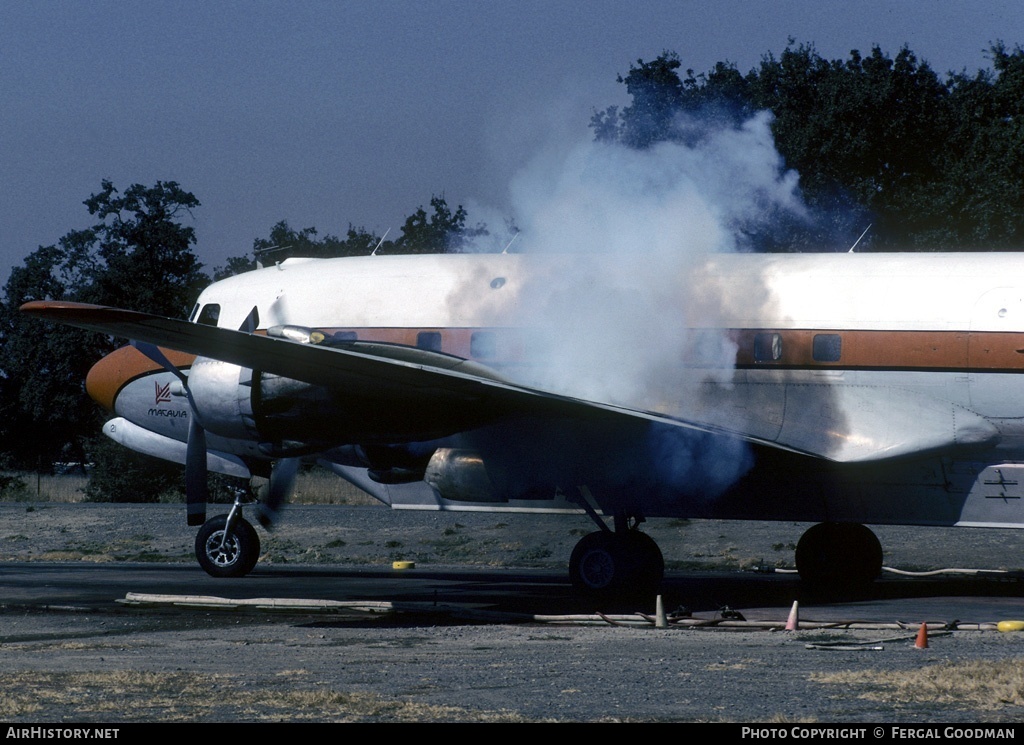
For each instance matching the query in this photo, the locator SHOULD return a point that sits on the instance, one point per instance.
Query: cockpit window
(209, 315)
(194, 313)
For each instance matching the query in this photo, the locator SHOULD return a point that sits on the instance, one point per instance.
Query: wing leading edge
(385, 377)
(862, 432)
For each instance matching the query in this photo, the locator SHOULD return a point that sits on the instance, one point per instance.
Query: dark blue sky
(330, 113)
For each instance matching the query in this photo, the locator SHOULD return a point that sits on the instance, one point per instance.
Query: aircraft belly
(994, 493)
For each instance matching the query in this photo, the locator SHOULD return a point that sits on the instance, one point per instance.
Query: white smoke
(618, 314)
(633, 229)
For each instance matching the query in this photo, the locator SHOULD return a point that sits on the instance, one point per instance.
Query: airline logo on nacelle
(163, 393)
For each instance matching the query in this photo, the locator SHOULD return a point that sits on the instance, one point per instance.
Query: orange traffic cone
(922, 637)
(794, 617)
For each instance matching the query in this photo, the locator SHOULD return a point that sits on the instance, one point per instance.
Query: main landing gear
(838, 555)
(227, 545)
(617, 564)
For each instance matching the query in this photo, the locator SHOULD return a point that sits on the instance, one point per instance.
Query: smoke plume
(617, 311)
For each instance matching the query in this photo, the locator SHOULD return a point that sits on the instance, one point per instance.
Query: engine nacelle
(282, 414)
(286, 415)
(223, 396)
(461, 475)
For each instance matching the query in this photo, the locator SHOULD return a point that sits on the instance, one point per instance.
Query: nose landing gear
(227, 545)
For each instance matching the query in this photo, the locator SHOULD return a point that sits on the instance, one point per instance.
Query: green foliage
(136, 255)
(141, 257)
(122, 475)
(443, 231)
(657, 95)
(933, 162)
(13, 489)
(235, 265)
(284, 243)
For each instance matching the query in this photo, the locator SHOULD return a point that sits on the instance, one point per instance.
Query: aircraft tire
(234, 557)
(609, 565)
(836, 556)
(648, 562)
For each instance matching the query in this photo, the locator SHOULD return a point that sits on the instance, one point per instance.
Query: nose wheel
(227, 551)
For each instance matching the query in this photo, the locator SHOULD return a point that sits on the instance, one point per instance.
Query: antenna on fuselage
(509, 244)
(859, 239)
(380, 242)
(259, 253)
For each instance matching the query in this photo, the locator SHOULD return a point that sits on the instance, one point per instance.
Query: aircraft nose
(112, 373)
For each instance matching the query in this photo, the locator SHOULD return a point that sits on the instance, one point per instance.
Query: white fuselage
(924, 377)
(902, 369)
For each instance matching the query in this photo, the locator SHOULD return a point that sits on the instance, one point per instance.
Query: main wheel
(223, 555)
(611, 565)
(838, 556)
(593, 563)
(645, 556)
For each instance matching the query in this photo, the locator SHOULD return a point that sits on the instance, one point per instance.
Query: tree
(657, 98)
(442, 232)
(137, 255)
(45, 415)
(983, 193)
(142, 258)
(284, 243)
(932, 162)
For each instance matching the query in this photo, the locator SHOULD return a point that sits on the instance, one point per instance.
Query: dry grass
(315, 486)
(981, 684)
(130, 696)
(36, 487)
(318, 486)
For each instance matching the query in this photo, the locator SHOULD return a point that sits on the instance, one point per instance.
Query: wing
(386, 375)
(839, 423)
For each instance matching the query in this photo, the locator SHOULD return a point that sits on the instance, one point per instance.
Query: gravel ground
(173, 665)
(371, 535)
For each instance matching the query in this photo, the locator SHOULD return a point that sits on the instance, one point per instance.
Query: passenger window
(430, 340)
(483, 345)
(827, 347)
(767, 347)
(209, 315)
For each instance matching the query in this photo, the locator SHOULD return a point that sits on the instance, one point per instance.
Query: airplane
(840, 389)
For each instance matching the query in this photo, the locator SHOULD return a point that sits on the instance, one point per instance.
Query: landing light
(300, 334)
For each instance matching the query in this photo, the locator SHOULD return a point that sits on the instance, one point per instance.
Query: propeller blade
(282, 481)
(197, 492)
(251, 322)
